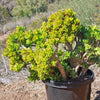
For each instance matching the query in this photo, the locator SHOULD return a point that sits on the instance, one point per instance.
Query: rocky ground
(95, 93)
(14, 86)
(22, 90)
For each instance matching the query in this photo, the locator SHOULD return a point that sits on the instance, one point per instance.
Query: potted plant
(59, 53)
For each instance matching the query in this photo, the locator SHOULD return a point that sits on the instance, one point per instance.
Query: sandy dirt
(22, 90)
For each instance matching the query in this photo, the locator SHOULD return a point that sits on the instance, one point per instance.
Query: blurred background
(32, 13)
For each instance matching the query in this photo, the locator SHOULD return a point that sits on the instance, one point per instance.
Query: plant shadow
(98, 95)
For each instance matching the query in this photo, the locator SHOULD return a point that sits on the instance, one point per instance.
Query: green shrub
(29, 8)
(41, 48)
(37, 23)
(3, 15)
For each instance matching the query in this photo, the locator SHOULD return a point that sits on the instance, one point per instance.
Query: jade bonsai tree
(62, 49)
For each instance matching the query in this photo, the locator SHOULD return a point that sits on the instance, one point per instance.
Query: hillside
(24, 12)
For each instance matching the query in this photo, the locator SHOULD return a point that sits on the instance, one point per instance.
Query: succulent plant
(60, 50)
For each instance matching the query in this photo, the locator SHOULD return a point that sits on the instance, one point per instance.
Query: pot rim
(72, 84)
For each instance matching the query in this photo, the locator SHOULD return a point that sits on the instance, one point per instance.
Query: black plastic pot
(78, 90)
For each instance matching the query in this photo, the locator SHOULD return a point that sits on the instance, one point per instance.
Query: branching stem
(59, 65)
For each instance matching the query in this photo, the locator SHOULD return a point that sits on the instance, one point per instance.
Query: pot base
(79, 93)
(78, 90)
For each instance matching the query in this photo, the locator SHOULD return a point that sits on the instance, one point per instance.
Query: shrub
(28, 8)
(37, 23)
(41, 48)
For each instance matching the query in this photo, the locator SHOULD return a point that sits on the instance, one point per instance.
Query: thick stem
(61, 69)
(84, 55)
(59, 65)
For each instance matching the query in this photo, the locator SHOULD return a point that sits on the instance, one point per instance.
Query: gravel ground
(95, 93)
(14, 86)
